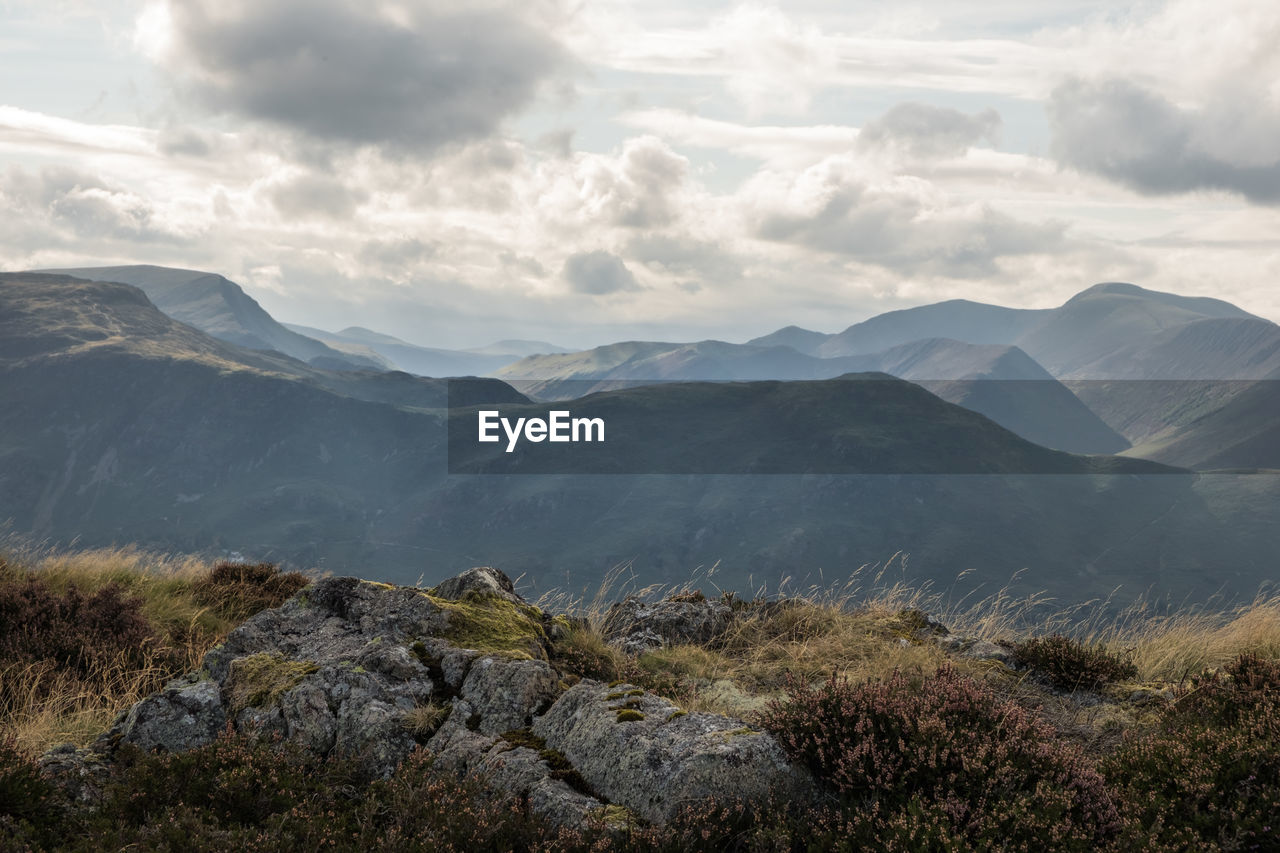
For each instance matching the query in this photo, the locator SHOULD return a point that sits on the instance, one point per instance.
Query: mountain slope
(219, 307)
(411, 358)
(1077, 339)
(118, 424)
(1000, 382)
(957, 319)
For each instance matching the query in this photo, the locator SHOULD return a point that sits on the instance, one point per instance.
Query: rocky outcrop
(350, 667)
(636, 626)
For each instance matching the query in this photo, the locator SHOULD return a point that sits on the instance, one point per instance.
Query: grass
(186, 605)
(857, 656)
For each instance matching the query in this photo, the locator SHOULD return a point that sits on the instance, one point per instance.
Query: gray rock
(974, 648)
(482, 580)
(636, 626)
(667, 759)
(81, 774)
(184, 715)
(507, 694)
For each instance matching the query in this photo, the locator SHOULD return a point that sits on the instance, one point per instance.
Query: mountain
(411, 358)
(517, 347)
(861, 423)
(1083, 338)
(800, 340)
(956, 319)
(1000, 382)
(121, 425)
(219, 307)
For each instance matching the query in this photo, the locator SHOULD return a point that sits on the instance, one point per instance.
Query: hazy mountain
(957, 319)
(517, 347)
(411, 358)
(1109, 331)
(800, 340)
(1000, 382)
(1082, 338)
(857, 423)
(220, 308)
(118, 424)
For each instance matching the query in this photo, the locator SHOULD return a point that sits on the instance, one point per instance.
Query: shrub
(28, 811)
(81, 634)
(1209, 774)
(1069, 664)
(946, 757)
(242, 589)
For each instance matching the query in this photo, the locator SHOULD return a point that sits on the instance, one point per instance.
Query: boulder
(187, 713)
(636, 626)
(643, 752)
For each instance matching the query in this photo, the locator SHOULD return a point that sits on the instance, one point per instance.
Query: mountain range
(118, 423)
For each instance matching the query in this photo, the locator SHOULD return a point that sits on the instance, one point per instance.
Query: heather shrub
(28, 813)
(1069, 664)
(946, 758)
(1208, 775)
(243, 589)
(81, 634)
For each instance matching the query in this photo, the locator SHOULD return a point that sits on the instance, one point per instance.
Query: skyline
(582, 173)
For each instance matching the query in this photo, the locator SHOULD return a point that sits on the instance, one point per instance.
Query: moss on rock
(493, 625)
(258, 680)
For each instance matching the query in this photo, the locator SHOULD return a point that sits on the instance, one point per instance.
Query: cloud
(685, 256)
(410, 76)
(1137, 137)
(929, 132)
(901, 224)
(77, 204)
(598, 273)
(308, 196)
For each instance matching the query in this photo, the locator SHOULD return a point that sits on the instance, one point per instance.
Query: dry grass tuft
(45, 699)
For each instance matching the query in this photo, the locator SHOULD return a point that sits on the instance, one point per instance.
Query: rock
(645, 753)
(483, 580)
(977, 649)
(82, 774)
(636, 626)
(507, 694)
(187, 713)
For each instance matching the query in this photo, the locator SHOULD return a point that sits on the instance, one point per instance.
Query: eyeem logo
(558, 426)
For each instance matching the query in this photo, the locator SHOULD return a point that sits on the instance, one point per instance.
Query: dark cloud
(411, 79)
(926, 131)
(1136, 137)
(598, 272)
(896, 231)
(312, 196)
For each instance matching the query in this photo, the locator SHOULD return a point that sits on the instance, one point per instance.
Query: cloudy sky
(583, 171)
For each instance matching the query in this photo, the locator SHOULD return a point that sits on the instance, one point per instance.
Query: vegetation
(85, 634)
(1142, 731)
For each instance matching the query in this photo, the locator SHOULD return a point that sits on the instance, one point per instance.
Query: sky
(587, 171)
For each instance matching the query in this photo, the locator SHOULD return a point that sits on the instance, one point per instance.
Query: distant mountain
(1000, 382)
(518, 347)
(411, 358)
(1104, 332)
(856, 423)
(119, 425)
(1081, 339)
(219, 307)
(956, 319)
(800, 340)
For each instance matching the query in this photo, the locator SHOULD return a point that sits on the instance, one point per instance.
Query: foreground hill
(243, 708)
(219, 307)
(119, 424)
